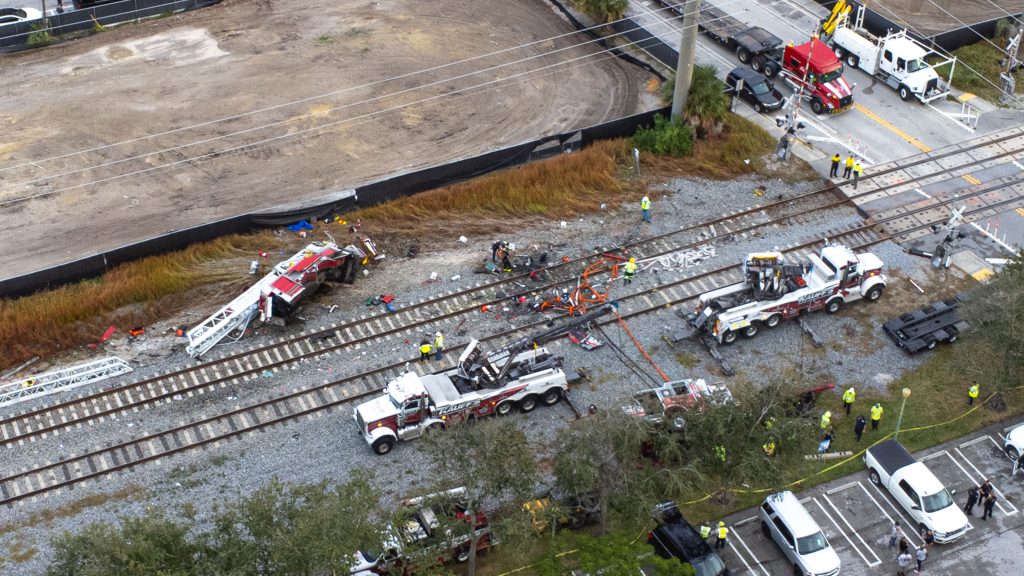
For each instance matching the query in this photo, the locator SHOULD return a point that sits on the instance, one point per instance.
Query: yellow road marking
(914, 141)
(885, 123)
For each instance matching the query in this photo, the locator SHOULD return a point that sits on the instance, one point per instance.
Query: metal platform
(61, 380)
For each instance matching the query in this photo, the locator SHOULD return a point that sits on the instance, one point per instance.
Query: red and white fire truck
(773, 290)
(478, 385)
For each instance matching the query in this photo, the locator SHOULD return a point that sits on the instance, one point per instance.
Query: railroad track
(329, 396)
(431, 315)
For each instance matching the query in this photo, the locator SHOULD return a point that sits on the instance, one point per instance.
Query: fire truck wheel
(751, 331)
(551, 396)
(383, 445)
(852, 61)
(874, 294)
(528, 404)
(833, 306)
(773, 320)
(503, 409)
(743, 55)
(816, 106)
(729, 337)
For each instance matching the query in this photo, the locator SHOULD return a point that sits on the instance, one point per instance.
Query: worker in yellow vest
(848, 397)
(723, 532)
(769, 448)
(972, 393)
(645, 208)
(705, 531)
(630, 269)
(876, 415)
(857, 171)
(826, 419)
(425, 350)
(848, 170)
(438, 346)
(833, 171)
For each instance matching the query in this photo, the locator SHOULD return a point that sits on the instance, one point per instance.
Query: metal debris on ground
(682, 259)
(584, 339)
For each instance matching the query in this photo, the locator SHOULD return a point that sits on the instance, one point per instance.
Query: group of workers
(436, 348)
(851, 167)
(722, 534)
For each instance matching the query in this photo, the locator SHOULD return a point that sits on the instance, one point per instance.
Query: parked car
(674, 537)
(758, 91)
(785, 520)
(1014, 444)
(15, 15)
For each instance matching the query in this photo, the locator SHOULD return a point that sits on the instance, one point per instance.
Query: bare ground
(110, 139)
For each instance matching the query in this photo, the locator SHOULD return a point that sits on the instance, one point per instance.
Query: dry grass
(131, 493)
(135, 293)
(724, 156)
(556, 188)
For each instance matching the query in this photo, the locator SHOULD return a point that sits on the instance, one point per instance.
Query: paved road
(880, 128)
(856, 515)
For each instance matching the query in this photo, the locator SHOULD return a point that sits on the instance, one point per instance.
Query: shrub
(603, 10)
(666, 137)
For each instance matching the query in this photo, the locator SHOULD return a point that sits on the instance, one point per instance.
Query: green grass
(977, 70)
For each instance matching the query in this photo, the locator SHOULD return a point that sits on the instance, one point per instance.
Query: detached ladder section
(60, 380)
(235, 316)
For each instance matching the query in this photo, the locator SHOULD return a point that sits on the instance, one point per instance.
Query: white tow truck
(896, 59)
(917, 490)
(774, 289)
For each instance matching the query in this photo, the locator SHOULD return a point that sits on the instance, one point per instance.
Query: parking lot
(856, 516)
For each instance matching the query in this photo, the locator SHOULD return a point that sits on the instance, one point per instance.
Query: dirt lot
(148, 128)
(930, 17)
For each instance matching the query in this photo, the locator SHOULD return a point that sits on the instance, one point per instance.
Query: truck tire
(729, 337)
(743, 55)
(504, 408)
(839, 51)
(773, 320)
(551, 396)
(752, 330)
(816, 105)
(905, 93)
(930, 342)
(382, 446)
(953, 334)
(528, 403)
(833, 305)
(757, 63)
(771, 69)
(462, 556)
(874, 293)
(852, 61)
(874, 477)
(1012, 453)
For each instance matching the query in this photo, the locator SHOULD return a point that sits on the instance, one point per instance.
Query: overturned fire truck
(773, 290)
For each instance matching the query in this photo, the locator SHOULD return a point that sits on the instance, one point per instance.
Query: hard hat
(437, 334)
(631, 259)
(645, 197)
(720, 523)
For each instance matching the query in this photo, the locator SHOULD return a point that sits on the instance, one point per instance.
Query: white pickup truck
(917, 490)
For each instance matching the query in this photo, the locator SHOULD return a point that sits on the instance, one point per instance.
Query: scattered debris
(106, 335)
(584, 339)
(300, 225)
(818, 343)
(268, 374)
(463, 239)
(916, 286)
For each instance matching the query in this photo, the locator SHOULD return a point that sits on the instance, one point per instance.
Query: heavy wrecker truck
(520, 375)
(811, 69)
(773, 290)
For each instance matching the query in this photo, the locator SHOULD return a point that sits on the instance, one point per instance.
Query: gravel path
(326, 445)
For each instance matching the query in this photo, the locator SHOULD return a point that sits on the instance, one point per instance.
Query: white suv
(1014, 444)
(785, 520)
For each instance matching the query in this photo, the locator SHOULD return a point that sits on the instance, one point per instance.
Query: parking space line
(973, 442)
(745, 547)
(740, 556)
(1002, 497)
(744, 522)
(841, 488)
(852, 530)
(999, 446)
(907, 523)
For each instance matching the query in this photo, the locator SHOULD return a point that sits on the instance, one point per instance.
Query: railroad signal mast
(1012, 64)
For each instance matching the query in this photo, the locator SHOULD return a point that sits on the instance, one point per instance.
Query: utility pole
(687, 53)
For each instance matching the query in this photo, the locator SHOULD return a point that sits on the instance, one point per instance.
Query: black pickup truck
(925, 327)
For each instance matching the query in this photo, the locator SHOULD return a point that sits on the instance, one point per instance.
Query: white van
(785, 520)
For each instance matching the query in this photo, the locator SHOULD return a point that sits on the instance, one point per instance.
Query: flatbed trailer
(746, 41)
(925, 327)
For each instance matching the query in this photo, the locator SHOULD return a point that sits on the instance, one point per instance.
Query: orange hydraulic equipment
(587, 292)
